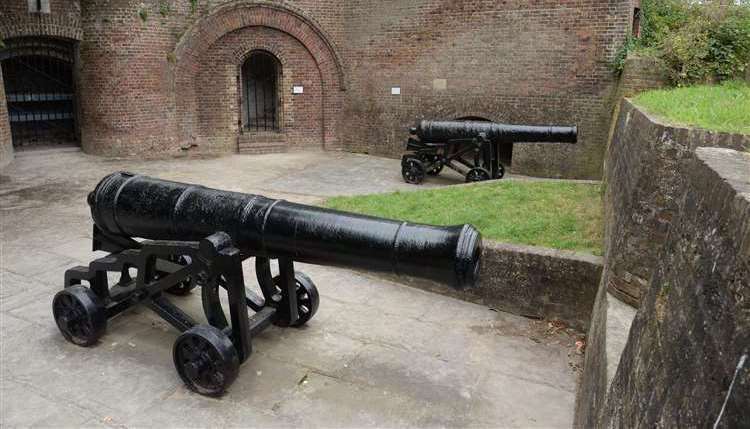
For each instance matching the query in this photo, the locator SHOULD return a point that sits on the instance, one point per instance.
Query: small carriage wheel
(79, 315)
(184, 287)
(308, 300)
(206, 360)
(412, 169)
(477, 174)
(430, 159)
(500, 171)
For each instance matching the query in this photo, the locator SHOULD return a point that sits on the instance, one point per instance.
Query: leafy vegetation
(143, 14)
(724, 107)
(699, 41)
(164, 8)
(560, 215)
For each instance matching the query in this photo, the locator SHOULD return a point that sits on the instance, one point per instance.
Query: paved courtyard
(377, 354)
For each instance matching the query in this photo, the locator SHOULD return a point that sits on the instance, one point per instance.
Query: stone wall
(686, 362)
(6, 146)
(643, 186)
(534, 282)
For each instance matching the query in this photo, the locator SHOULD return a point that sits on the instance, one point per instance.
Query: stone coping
(694, 135)
(535, 282)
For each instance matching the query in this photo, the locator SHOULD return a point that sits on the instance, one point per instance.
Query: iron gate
(260, 74)
(40, 90)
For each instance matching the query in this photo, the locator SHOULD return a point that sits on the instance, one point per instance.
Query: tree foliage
(700, 41)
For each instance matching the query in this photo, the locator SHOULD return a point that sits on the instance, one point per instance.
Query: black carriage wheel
(500, 171)
(412, 170)
(79, 315)
(477, 174)
(184, 287)
(432, 159)
(308, 300)
(206, 360)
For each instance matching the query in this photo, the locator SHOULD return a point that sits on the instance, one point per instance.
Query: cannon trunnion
(172, 237)
(473, 148)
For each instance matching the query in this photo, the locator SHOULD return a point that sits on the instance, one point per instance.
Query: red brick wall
(144, 82)
(218, 89)
(643, 74)
(64, 19)
(6, 146)
(540, 62)
(126, 91)
(207, 60)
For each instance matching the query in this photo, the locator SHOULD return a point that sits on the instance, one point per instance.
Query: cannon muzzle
(131, 205)
(441, 131)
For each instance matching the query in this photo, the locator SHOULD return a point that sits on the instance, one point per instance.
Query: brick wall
(642, 74)
(541, 62)
(145, 65)
(126, 91)
(219, 88)
(207, 63)
(63, 20)
(6, 146)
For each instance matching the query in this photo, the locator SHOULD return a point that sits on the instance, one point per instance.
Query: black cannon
(473, 148)
(170, 237)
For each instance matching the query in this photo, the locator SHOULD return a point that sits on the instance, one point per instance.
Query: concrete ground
(376, 354)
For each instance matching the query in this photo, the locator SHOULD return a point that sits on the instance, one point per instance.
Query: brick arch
(244, 13)
(241, 14)
(45, 26)
(243, 52)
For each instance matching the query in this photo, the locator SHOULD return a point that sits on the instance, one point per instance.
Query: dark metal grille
(40, 90)
(260, 75)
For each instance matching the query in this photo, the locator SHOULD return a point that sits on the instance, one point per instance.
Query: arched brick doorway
(208, 75)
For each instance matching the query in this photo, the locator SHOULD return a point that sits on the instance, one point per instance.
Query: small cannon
(197, 236)
(473, 148)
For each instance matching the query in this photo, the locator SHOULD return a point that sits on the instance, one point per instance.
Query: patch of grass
(724, 107)
(539, 213)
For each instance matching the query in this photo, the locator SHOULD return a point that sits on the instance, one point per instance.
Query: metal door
(40, 90)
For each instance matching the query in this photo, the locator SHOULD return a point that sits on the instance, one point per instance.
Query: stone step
(256, 143)
(258, 137)
(257, 148)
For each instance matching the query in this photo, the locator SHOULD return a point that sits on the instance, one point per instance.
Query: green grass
(539, 213)
(724, 107)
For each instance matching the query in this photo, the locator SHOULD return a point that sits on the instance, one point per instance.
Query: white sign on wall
(298, 89)
(396, 90)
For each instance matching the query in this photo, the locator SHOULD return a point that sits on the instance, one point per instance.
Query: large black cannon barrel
(441, 131)
(139, 206)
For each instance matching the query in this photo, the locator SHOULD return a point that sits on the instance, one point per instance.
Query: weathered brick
(143, 81)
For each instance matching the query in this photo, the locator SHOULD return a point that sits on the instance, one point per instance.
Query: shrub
(698, 41)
